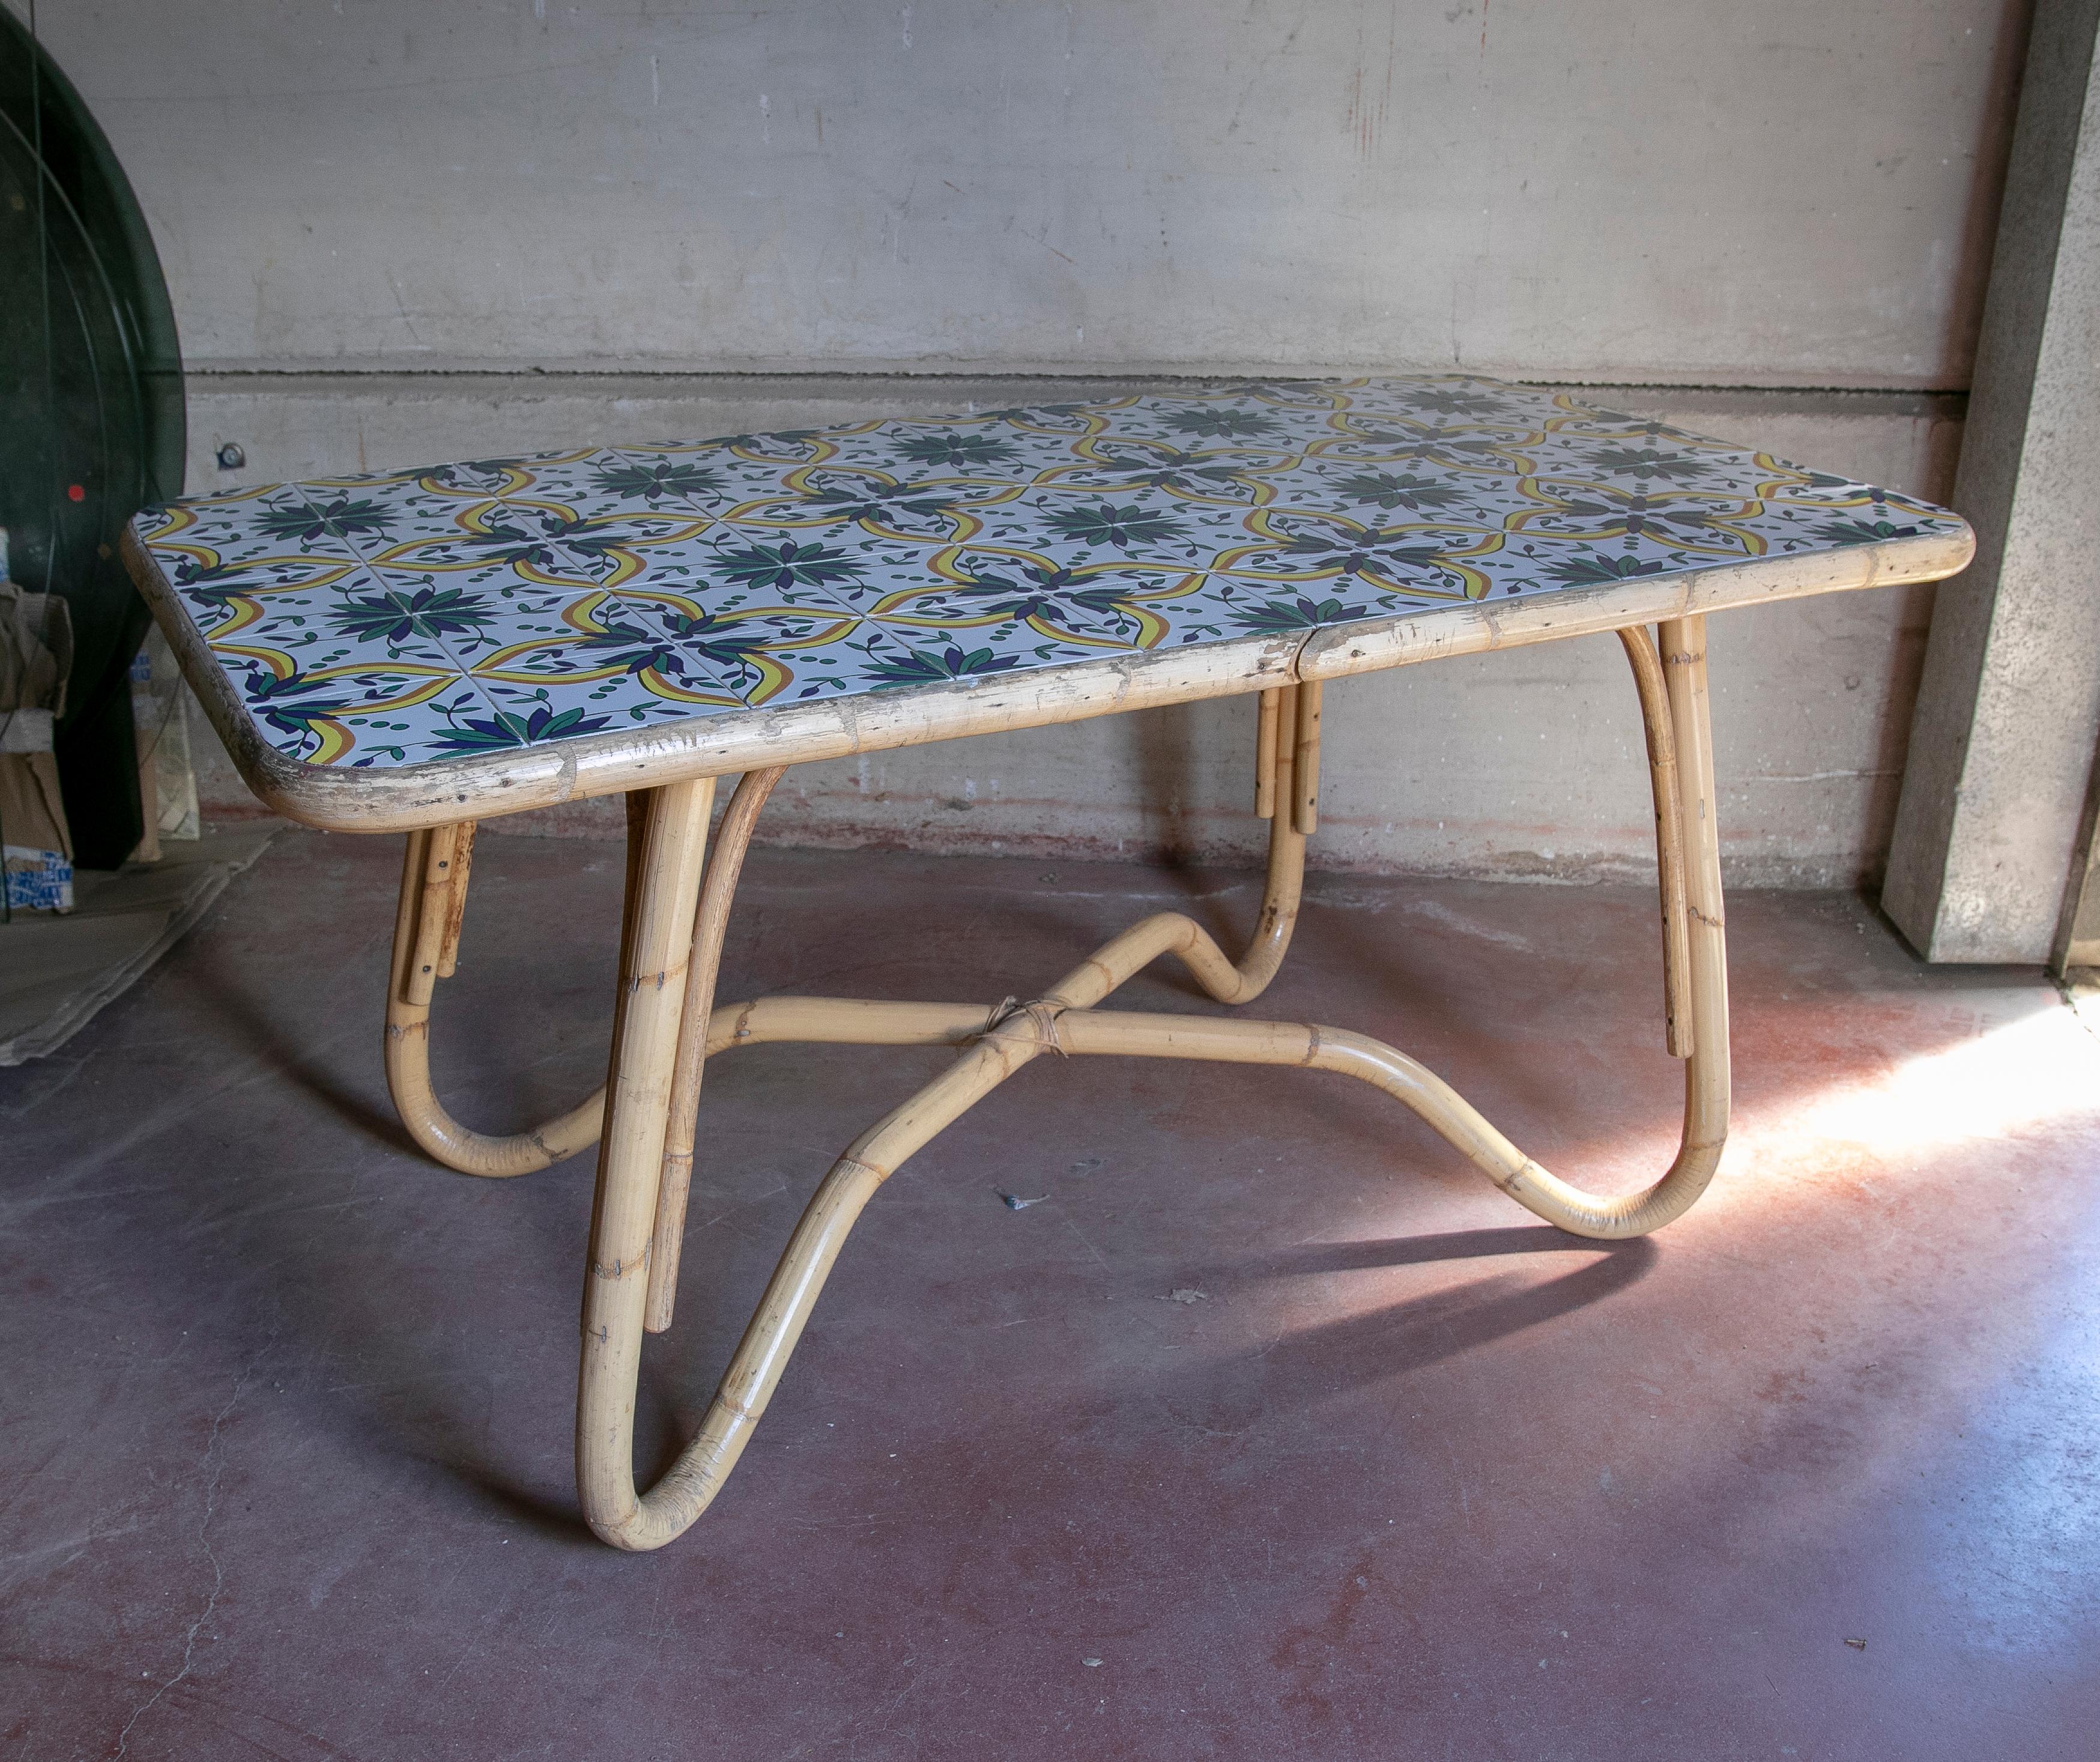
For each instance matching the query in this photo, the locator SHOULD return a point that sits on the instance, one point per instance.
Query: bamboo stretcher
(667, 1024)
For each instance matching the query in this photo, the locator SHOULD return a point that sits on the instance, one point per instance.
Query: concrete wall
(501, 225)
(1765, 192)
(2001, 750)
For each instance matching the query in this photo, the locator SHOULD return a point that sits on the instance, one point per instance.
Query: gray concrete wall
(503, 226)
(1762, 191)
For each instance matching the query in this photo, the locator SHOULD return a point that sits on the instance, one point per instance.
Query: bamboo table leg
(717, 892)
(994, 1045)
(666, 1026)
(426, 934)
(656, 949)
(426, 931)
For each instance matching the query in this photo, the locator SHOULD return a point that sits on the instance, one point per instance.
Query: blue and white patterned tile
(1017, 623)
(596, 489)
(668, 480)
(871, 655)
(348, 695)
(378, 512)
(250, 543)
(1097, 606)
(667, 579)
(1251, 603)
(441, 514)
(914, 656)
(961, 450)
(225, 599)
(1141, 528)
(579, 694)
(605, 659)
(839, 503)
(471, 613)
(1394, 493)
(1236, 479)
(537, 546)
(575, 618)
(762, 652)
(737, 571)
(706, 473)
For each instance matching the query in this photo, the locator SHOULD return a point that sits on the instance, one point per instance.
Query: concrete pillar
(2002, 743)
(2078, 932)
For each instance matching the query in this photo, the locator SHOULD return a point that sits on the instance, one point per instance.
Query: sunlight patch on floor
(2040, 1070)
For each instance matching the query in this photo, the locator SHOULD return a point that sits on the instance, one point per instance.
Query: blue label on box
(38, 881)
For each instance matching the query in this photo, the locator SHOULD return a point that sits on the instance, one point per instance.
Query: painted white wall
(496, 226)
(1727, 192)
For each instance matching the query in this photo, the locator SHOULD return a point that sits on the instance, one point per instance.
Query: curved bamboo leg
(614, 1299)
(1065, 1022)
(655, 954)
(1669, 837)
(1706, 1069)
(1277, 784)
(1696, 980)
(1269, 717)
(426, 928)
(1305, 760)
(1287, 752)
(1675, 711)
(717, 892)
(434, 900)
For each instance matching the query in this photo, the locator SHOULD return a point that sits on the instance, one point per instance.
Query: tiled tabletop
(387, 621)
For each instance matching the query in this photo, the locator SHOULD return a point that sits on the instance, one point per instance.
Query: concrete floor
(1812, 1473)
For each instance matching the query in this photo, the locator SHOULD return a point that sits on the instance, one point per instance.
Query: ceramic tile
(881, 656)
(566, 593)
(763, 652)
(1145, 526)
(550, 696)
(351, 683)
(1250, 603)
(1100, 606)
(253, 543)
(676, 478)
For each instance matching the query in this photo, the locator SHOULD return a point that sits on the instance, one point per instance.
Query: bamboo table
(419, 651)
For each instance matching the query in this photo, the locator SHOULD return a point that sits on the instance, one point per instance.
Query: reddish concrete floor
(1811, 1473)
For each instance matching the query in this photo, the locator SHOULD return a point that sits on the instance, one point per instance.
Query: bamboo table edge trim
(485, 786)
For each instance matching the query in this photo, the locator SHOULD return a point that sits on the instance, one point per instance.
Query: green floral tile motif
(391, 618)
